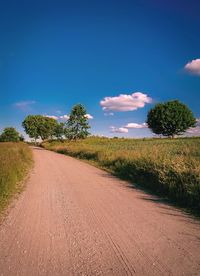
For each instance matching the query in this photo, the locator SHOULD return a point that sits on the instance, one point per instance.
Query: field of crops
(170, 167)
(15, 161)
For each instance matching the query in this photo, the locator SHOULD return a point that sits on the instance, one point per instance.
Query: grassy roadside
(15, 162)
(169, 167)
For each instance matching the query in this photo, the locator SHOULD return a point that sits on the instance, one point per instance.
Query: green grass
(15, 162)
(169, 167)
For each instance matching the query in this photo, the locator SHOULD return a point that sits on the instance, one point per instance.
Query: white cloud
(108, 114)
(24, 105)
(88, 116)
(193, 66)
(51, 116)
(64, 117)
(135, 125)
(118, 130)
(194, 130)
(125, 102)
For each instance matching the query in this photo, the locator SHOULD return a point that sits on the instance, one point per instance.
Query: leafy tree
(59, 131)
(170, 118)
(30, 125)
(46, 127)
(38, 126)
(77, 124)
(10, 134)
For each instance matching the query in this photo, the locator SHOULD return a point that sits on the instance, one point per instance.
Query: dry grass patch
(15, 162)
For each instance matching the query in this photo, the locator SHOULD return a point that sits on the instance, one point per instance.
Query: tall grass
(170, 167)
(15, 161)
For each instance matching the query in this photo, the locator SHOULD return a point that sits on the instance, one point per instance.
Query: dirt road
(74, 219)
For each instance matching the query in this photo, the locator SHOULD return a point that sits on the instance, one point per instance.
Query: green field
(169, 167)
(15, 161)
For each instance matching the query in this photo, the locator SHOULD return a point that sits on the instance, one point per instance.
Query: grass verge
(15, 162)
(168, 167)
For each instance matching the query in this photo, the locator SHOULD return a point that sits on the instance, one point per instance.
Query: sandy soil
(74, 219)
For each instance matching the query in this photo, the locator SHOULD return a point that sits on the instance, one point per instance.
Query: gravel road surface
(75, 219)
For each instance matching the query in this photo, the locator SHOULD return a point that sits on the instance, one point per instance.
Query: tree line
(167, 119)
(41, 127)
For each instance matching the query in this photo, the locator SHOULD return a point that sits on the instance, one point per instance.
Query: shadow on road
(171, 209)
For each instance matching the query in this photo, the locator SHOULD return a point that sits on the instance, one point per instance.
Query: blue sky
(54, 54)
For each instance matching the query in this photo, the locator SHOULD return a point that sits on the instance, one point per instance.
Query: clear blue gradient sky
(54, 54)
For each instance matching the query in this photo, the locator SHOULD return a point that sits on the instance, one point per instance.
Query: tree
(170, 118)
(38, 126)
(10, 134)
(30, 125)
(46, 127)
(59, 131)
(77, 124)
